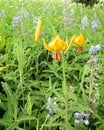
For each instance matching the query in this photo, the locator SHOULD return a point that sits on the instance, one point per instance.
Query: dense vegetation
(51, 65)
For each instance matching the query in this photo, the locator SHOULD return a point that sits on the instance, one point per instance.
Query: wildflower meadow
(51, 65)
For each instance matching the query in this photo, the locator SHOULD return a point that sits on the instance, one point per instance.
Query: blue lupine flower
(49, 100)
(94, 25)
(82, 121)
(72, 18)
(64, 14)
(98, 47)
(94, 49)
(86, 122)
(91, 50)
(36, 20)
(55, 104)
(81, 118)
(16, 21)
(25, 14)
(77, 115)
(48, 116)
(95, 58)
(84, 22)
(76, 122)
(86, 115)
(49, 107)
(82, 115)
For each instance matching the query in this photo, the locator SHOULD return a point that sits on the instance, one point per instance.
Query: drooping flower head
(38, 30)
(78, 41)
(56, 45)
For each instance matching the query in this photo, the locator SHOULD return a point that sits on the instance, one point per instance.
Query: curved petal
(45, 45)
(82, 40)
(51, 45)
(65, 45)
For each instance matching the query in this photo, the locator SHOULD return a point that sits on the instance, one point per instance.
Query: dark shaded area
(87, 2)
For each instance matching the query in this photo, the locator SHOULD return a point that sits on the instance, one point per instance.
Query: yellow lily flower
(38, 30)
(57, 44)
(78, 40)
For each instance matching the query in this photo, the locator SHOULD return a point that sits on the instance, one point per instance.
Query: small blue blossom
(63, 14)
(48, 116)
(49, 100)
(51, 103)
(98, 47)
(72, 18)
(82, 115)
(82, 121)
(91, 50)
(47, 107)
(95, 59)
(16, 21)
(81, 118)
(94, 25)
(77, 122)
(35, 21)
(24, 14)
(94, 49)
(77, 115)
(86, 122)
(86, 115)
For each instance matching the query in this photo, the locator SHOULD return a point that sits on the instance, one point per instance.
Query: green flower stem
(64, 87)
(91, 81)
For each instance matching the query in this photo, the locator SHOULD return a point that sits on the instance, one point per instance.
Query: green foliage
(29, 76)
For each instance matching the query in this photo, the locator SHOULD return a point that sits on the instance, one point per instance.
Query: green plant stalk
(81, 89)
(91, 80)
(20, 57)
(43, 124)
(64, 87)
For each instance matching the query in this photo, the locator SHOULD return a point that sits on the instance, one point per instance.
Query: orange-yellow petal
(65, 45)
(78, 40)
(58, 44)
(82, 40)
(45, 45)
(38, 30)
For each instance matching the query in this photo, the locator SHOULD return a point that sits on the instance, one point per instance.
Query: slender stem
(64, 87)
(91, 80)
(43, 124)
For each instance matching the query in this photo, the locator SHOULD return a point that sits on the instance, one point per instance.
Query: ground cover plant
(51, 65)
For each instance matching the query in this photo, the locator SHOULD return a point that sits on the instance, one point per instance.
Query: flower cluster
(81, 118)
(94, 24)
(17, 20)
(51, 106)
(84, 22)
(93, 51)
